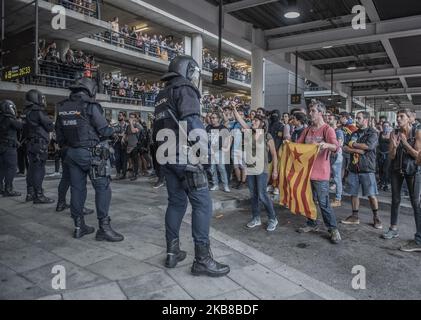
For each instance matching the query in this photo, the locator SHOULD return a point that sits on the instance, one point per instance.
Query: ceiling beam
(376, 74)
(309, 25)
(374, 16)
(375, 31)
(245, 4)
(377, 55)
(386, 93)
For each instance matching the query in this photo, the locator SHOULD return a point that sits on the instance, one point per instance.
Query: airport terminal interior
(353, 57)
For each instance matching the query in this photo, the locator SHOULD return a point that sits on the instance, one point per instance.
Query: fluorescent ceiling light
(327, 47)
(292, 14)
(292, 11)
(352, 66)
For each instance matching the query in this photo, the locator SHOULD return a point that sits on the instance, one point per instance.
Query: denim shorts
(366, 180)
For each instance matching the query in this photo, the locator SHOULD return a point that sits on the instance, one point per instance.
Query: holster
(101, 165)
(196, 178)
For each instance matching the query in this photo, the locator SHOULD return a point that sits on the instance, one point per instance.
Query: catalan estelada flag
(295, 166)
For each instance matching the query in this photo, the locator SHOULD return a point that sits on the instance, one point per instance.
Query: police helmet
(35, 97)
(184, 66)
(8, 108)
(85, 84)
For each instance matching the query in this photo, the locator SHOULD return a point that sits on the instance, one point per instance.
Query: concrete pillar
(197, 52)
(187, 46)
(257, 79)
(62, 47)
(348, 105)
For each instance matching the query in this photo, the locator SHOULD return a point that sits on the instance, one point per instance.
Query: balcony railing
(123, 41)
(233, 74)
(58, 75)
(90, 8)
(133, 97)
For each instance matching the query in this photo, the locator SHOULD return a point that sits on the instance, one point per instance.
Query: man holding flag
(324, 136)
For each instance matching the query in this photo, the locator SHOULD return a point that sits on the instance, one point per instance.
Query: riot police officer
(180, 101)
(37, 128)
(9, 126)
(80, 125)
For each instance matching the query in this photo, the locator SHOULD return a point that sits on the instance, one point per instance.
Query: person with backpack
(362, 168)
(405, 144)
(324, 136)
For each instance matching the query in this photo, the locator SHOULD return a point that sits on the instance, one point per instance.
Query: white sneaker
(227, 189)
(214, 188)
(272, 225)
(269, 189)
(255, 222)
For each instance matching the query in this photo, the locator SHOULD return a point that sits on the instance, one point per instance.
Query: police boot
(105, 232)
(81, 228)
(174, 254)
(40, 198)
(1, 188)
(8, 192)
(204, 264)
(30, 194)
(61, 206)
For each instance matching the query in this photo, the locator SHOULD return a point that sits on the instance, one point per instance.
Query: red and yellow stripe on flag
(295, 166)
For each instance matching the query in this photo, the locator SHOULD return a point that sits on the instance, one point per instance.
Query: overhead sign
(219, 76)
(295, 98)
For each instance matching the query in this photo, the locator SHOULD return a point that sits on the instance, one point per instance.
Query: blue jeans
(178, 197)
(321, 194)
(222, 171)
(337, 177)
(257, 185)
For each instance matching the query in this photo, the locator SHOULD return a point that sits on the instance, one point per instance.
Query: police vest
(34, 130)
(74, 121)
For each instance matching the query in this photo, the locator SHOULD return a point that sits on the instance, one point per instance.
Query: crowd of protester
(357, 154)
(121, 87)
(240, 73)
(165, 48)
(61, 70)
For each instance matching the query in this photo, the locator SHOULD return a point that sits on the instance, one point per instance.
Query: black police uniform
(37, 128)
(185, 182)
(64, 185)
(80, 125)
(8, 144)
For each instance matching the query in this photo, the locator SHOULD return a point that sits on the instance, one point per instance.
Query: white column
(348, 104)
(257, 79)
(187, 46)
(197, 49)
(197, 52)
